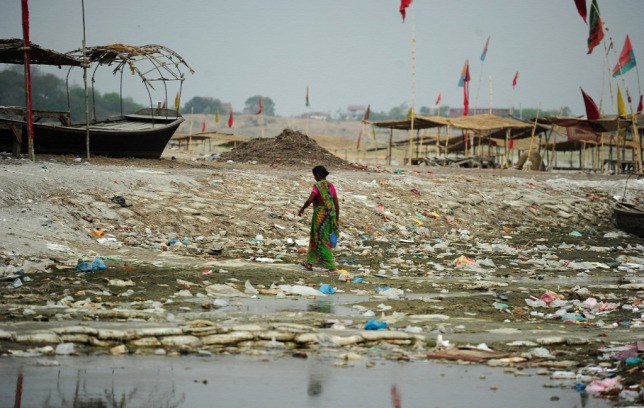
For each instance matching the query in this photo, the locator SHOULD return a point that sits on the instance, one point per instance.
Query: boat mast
(85, 66)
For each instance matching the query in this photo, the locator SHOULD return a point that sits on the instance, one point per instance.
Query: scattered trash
(375, 325)
(327, 289)
(95, 265)
(120, 201)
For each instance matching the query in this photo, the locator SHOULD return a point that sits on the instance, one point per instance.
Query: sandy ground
(464, 248)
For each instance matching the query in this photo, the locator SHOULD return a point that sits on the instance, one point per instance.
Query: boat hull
(629, 218)
(115, 138)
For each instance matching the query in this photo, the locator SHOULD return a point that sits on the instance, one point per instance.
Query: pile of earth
(290, 148)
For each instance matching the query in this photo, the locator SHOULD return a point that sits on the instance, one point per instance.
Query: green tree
(399, 112)
(202, 104)
(252, 105)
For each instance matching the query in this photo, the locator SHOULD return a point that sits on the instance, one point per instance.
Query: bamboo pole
(413, 78)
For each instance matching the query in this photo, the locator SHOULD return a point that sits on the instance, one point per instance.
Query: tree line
(49, 92)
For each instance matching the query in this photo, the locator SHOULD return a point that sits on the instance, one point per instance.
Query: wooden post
(391, 135)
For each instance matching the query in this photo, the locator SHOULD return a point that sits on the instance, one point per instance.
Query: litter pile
(290, 147)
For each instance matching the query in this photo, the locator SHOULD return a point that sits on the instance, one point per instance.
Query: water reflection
(93, 389)
(321, 306)
(237, 381)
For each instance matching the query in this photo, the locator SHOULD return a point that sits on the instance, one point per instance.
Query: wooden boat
(629, 217)
(144, 134)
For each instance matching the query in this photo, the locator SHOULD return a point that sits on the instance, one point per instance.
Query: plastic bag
(333, 239)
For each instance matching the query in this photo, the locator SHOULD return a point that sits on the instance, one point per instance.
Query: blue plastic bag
(86, 266)
(375, 325)
(327, 289)
(333, 239)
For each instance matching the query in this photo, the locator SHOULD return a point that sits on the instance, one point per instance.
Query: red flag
(231, 120)
(628, 97)
(438, 100)
(261, 106)
(596, 32)
(640, 105)
(203, 126)
(367, 113)
(510, 144)
(403, 5)
(626, 59)
(592, 113)
(514, 81)
(581, 8)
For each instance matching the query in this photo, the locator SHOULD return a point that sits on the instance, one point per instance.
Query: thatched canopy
(12, 52)
(489, 124)
(420, 122)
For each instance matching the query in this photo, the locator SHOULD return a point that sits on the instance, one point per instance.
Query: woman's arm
(337, 208)
(306, 204)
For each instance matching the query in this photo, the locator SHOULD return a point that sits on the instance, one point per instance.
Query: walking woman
(325, 221)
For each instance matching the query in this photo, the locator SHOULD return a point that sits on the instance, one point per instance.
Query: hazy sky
(356, 52)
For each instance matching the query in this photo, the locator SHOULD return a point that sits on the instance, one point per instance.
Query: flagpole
(491, 92)
(478, 90)
(413, 78)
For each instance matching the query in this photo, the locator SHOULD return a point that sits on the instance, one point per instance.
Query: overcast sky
(356, 52)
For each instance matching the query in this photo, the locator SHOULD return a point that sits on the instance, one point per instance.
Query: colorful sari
(324, 222)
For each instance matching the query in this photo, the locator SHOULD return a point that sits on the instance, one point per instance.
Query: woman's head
(320, 172)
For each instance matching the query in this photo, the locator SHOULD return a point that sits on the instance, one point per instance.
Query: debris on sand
(289, 148)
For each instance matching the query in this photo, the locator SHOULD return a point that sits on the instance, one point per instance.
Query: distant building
(316, 116)
(355, 111)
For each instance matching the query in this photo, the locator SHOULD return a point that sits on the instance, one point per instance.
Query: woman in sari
(325, 221)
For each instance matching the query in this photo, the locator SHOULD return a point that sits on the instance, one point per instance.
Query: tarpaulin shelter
(615, 132)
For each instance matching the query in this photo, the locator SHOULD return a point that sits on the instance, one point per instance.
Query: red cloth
(514, 81)
(581, 8)
(596, 32)
(592, 113)
(403, 5)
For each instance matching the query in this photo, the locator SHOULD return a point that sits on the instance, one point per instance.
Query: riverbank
(203, 256)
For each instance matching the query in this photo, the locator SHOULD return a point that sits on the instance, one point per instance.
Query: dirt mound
(290, 148)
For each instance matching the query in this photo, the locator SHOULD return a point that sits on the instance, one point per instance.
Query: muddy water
(241, 381)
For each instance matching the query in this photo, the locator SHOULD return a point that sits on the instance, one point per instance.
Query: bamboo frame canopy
(165, 63)
(12, 51)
